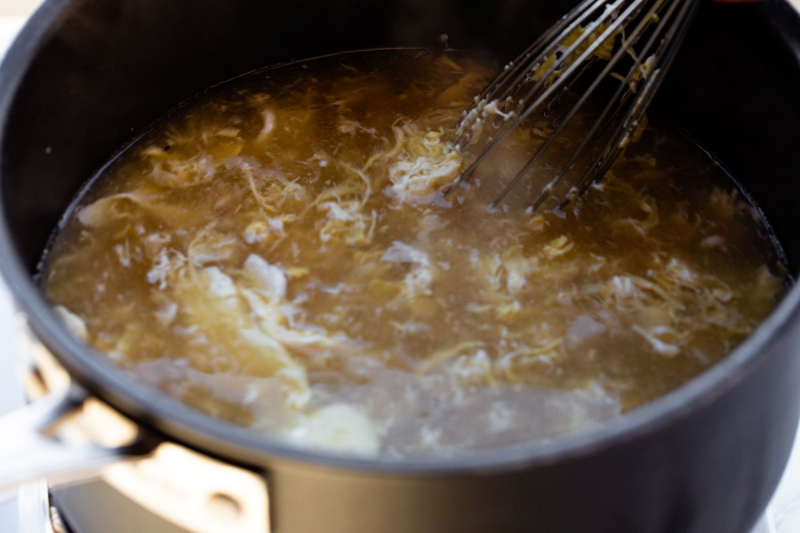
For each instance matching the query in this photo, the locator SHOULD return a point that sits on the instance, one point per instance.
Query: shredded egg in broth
(278, 253)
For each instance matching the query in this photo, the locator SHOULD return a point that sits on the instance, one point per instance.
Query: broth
(278, 253)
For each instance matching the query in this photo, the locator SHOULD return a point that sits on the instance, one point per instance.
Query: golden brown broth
(410, 323)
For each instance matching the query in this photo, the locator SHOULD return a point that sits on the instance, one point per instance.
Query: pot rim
(167, 415)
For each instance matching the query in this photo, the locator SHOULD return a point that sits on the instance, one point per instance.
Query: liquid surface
(278, 254)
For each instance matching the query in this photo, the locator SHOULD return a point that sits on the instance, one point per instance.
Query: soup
(279, 253)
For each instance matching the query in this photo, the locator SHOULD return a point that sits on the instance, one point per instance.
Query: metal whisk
(645, 32)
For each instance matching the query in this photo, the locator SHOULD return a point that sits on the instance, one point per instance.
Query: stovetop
(782, 515)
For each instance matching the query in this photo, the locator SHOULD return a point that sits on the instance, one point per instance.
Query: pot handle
(36, 442)
(70, 436)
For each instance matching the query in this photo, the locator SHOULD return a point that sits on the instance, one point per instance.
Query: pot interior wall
(106, 69)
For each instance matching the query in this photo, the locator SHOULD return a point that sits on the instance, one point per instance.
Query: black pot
(85, 76)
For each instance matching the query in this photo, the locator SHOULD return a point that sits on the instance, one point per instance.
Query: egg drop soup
(279, 253)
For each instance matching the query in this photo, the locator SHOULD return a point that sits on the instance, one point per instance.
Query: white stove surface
(782, 516)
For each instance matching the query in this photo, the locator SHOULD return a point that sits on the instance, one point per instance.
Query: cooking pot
(86, 76)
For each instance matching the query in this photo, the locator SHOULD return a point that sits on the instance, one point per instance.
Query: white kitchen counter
(10, 390)
(782, 517)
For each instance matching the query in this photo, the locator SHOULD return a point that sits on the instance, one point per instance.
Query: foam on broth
(277, 253)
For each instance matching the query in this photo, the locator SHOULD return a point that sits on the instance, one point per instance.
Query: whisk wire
(520, 67)
(618, 141)
(612, 63)
(523, 110)
(499, 90)
(623, 94)
(546, 71)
